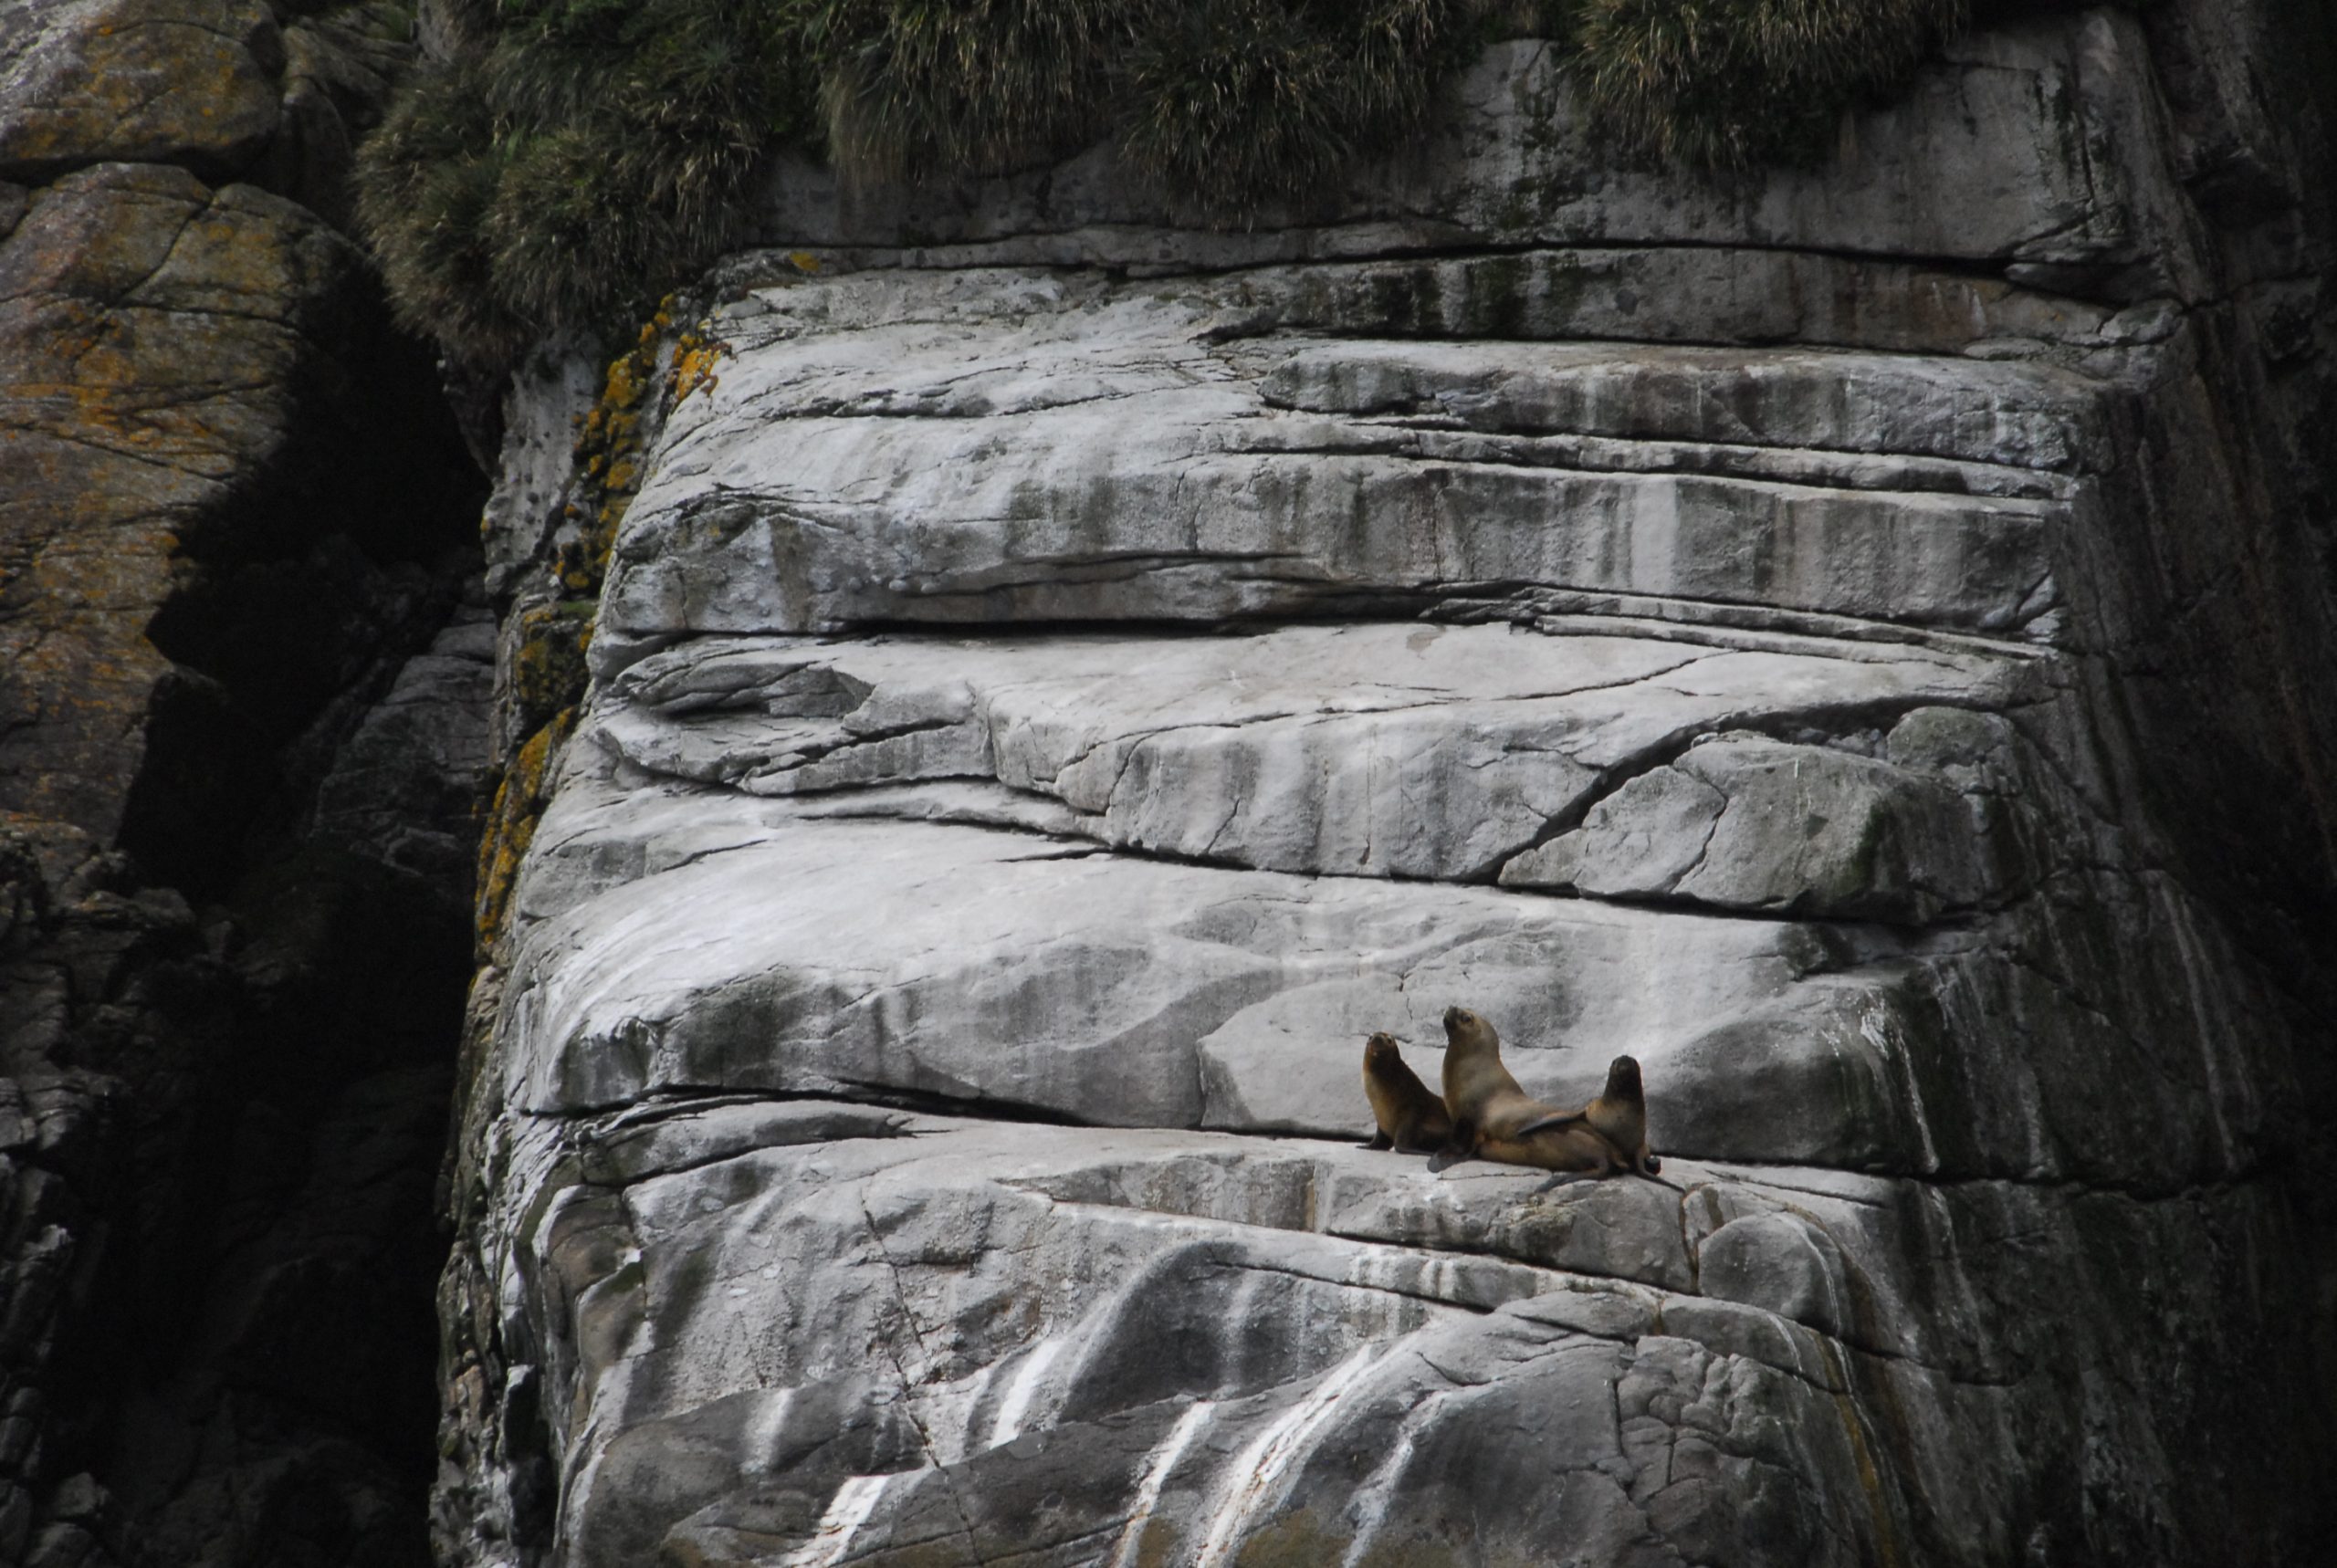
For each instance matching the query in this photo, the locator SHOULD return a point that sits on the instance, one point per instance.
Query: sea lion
(1618, 1115)
(1493, 1118)
(1411, 1119)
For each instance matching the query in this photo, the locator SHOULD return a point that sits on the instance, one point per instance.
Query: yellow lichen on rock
(695, 358)
(612, 437)
(520, 799)
(548, 671)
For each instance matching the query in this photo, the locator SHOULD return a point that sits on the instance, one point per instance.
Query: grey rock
(1641, 841)
(2038, 143)
(137, 81)
(1746, 822)
(1374, 749)
(224, 497)
(1092, 454)
(1076, 674)
(924, 1333)
(405, 785)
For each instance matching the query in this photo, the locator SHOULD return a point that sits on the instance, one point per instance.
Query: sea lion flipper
(1461, 1145)
(1554, 1120)
(1380, 1140)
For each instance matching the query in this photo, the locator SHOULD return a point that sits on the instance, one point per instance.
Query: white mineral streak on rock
(1254, 1474)
(1875, 1026)
(1158, 1466)
(1377, 1490)
(1028, 1379)
(847, 1512)
(963, 1407)
(764, 1433)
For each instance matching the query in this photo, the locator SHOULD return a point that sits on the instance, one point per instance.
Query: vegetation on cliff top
(579, 157)
(1728, 83)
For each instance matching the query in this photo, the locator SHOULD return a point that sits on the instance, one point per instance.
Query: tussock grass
(584, 157)
(427, 182)
(567, 171)
(1727, 83)
(1232, 103)
(915, 89)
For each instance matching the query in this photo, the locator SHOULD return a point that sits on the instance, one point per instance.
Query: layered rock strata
(1063, 679)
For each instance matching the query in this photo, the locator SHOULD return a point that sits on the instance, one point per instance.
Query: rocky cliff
(244, 670)
(979, 711)
(1857, 639)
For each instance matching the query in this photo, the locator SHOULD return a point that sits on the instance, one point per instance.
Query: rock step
(682, 940)
(2007, 416)
(1381, 750)
(1195, 1338)
(1103, 458)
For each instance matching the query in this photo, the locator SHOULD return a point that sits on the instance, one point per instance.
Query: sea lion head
(1623, 1081)
(1464, 1030)
(1380, 1050)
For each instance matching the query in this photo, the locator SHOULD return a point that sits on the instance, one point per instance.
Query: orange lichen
(694, 359)
(548, 671)
(519, 800)
(608, 457)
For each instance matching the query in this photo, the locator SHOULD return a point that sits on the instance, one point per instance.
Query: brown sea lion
(1494, 1119)
(1410, 1118)
(1618, 1115)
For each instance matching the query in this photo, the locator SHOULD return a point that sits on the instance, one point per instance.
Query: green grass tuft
(427, 182)
(1232, 103)
(1727, 84)
(569, 172)
(584, 157)
(915, 88)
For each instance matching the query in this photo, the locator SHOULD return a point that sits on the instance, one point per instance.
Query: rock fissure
(934, 1462)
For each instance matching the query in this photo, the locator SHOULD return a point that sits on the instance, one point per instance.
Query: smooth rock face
(1367, 749)
(1088, 456)
(1746, 822)
(1068, 679)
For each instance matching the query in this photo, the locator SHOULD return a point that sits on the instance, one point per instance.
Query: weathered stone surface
(1093, 454)
(191, 82)
(2037, 145)
(405, 785)
(1070, 677)
(1372, 749)
(152, 333)
(877, 1334)
(230, 956)
(1745, 822)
